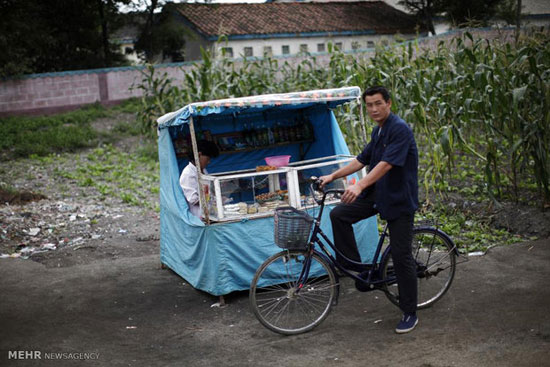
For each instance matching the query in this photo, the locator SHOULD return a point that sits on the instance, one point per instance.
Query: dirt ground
(81, 279)
(53, 220)
(129, 312)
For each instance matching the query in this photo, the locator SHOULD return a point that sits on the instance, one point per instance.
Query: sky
(139, 3)
(529, 6)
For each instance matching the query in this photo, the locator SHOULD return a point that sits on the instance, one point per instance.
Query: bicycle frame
(373, 276)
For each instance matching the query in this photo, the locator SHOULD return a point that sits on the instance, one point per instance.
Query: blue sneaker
(407, 323)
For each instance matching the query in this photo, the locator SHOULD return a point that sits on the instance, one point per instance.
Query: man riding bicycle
(390, 189)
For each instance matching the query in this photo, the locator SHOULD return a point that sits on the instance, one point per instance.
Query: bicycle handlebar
(315, 185)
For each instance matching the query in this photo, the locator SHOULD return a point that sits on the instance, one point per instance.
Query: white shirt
(190, 187)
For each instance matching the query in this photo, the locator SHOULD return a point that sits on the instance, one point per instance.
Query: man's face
(378, 109)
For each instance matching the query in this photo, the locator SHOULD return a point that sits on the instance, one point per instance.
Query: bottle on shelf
(299, 131)
(286, 135)
(265, 137)
(260, 136)
(276, 136)
(270, 136)
(306, 131)
(254, 137)
(246, 135)
(292, 133)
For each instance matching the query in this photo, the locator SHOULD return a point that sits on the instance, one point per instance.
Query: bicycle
(294, 290)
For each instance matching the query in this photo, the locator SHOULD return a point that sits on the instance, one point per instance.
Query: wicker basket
(292, 228)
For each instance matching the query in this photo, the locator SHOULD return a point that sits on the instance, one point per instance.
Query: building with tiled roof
(288, 28)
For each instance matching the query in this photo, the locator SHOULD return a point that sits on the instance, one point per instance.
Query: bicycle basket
(292, 228)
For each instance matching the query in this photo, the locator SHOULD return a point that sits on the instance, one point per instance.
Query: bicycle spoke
(285, 308)
(434, 256)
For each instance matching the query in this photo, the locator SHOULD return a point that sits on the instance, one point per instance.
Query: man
(391, 189)
(188, 177)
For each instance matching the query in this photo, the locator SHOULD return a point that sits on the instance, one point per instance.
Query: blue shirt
(397, 191)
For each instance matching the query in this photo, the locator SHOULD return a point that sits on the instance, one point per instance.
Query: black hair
(375, 90)
(209, 148)
(206, 147)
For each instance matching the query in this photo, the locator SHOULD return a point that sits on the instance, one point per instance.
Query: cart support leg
(222, 301)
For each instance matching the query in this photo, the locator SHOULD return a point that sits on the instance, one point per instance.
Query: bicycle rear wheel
(434, 253)
(282, 304)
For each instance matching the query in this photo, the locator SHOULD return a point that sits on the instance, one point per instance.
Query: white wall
(277, 44)
(132, 56)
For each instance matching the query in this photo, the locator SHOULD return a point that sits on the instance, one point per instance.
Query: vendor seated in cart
(188, 179)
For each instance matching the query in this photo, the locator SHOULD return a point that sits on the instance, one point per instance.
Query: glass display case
(302, 171)
(255, 193)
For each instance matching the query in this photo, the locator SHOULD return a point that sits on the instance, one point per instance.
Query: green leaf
(518, 94)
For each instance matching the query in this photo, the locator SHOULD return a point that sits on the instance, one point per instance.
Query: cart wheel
(162, 266)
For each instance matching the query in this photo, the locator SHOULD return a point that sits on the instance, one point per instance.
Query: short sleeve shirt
(189, 185)
(397, 191)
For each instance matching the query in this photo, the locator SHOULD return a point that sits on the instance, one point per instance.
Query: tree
(510, 12)
(39, 36)
(464, 12)
(162, 35)
(518, 19)
(425, 10)
(110, 20)
(21, 40)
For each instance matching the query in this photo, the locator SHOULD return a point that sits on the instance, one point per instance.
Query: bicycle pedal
(363, 287)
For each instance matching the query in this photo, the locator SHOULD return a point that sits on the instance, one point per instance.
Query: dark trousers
(342, 218)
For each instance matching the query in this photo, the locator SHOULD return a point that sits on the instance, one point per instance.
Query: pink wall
(45, 93)
(55, 92)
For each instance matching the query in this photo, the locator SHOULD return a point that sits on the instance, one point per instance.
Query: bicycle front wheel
(435, 257)
(286, 304)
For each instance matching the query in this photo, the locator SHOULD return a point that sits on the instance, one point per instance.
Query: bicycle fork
(304, 274)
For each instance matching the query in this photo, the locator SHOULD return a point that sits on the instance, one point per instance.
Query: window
(320, 47)
(285, 49)
(303, 47)
(338, 46)
(227, 51)
(355, 45)
(268, 51)
(248, 52)
(370, 44)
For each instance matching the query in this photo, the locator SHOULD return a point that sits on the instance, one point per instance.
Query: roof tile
(296, 17)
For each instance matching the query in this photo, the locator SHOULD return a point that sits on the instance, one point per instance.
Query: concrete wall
(43, 93)
(56, 92)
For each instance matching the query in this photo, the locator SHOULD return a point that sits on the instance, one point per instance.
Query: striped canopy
(253, 104)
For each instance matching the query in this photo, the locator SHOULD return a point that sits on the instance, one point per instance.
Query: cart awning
(329, 97)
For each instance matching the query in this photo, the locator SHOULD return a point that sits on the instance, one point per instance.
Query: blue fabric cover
(223, 257)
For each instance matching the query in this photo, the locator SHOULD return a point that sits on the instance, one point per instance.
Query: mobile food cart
(220, 253)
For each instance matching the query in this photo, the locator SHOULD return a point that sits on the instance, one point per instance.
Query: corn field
(480, 109)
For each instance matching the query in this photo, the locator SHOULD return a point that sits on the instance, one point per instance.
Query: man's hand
(325, 180)
(351, 193)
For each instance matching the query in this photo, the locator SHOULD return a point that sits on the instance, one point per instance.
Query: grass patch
(132, 178)
(41, 136)
(469, 232)
(131, 105)
(24, 136)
